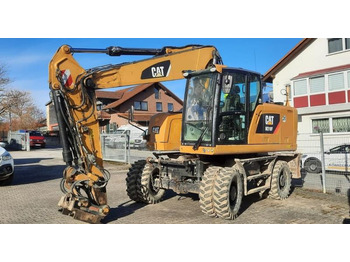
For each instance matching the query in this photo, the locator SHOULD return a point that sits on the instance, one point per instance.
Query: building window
(170, 107)
(159, 107)
(99, 105)
(320, 125)
(112, 128)
(341, 124)
(347, 43)
(338, 44)
(156, 93)
(142, 106)
(317, 84)
(300, 87)
(336, 82)
(335, 45)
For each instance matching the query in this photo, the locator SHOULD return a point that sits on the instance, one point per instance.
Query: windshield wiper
(200, 139)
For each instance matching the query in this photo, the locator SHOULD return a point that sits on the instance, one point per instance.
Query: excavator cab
(219, 106)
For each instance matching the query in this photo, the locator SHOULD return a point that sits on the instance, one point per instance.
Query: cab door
(239, 97)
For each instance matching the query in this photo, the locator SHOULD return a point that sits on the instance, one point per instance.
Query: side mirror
(283, 92)
(227, 84)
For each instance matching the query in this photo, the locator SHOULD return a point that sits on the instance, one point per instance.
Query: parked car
(36, 139)
(6, 167)
(336, 159)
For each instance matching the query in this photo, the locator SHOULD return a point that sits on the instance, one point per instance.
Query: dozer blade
(81, 209)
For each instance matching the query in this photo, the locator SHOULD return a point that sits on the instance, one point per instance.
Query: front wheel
(133, 181)
(228, 193)
(7, 181)
(206, 190)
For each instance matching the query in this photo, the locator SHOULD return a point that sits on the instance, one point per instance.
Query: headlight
(6, 156)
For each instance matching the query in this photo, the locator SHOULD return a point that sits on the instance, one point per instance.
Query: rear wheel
(228, 193)
(313, 165)
(281, 181)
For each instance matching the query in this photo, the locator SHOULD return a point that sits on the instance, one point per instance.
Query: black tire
(206, 191)
(228, 193)
(7, 181)
(133, 181)
(281, 181)
(313, 165)
(150, 193)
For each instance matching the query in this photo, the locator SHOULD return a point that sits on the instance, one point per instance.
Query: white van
(136, 136)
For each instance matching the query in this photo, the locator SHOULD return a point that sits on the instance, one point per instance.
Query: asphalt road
(35, 192)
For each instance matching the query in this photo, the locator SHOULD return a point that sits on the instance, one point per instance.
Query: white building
(318, 71)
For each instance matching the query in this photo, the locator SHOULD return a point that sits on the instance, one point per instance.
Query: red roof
(137, 116)
(108, 94)
(128, 93)
(103, 115)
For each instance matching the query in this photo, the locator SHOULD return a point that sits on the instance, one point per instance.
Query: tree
(3, 82)
(17, 110)
(3, 79)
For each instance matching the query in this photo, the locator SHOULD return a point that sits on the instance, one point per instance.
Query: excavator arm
(73, 94)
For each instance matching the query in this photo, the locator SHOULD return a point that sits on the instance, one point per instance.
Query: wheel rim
(282, 179)
(313, 166)
(152, 186)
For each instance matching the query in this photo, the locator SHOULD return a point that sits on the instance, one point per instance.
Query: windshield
(198, 108)
(35, 133)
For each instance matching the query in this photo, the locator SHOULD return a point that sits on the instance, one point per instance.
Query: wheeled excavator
(225, 144)
(73, 94)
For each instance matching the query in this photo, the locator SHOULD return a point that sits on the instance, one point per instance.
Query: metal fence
(325, 162)
(115, 147)
(18, 141)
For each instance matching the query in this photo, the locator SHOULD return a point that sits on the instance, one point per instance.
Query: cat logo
(269, 120)
(158, 70)
(268, 124)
